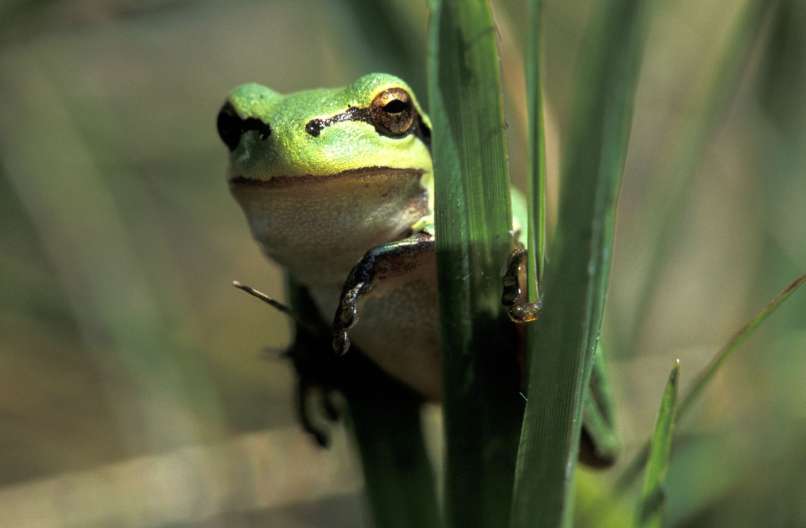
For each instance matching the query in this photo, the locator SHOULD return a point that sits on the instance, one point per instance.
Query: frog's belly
(398, 328)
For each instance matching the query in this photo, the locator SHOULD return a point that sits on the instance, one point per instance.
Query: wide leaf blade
(561, 345)
(473, 220)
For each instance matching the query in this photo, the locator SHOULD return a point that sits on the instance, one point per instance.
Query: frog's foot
(316, 384)
(379, 263)
(305, 395)
(514, 296)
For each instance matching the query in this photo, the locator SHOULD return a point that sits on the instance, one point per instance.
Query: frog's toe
(332, 411)
(303, 396)
(341, 341)
(522, 313)
(346, 317)
(514, 294)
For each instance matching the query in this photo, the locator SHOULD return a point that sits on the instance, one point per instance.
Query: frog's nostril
(231, 126)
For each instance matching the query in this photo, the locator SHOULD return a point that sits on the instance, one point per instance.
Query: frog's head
(324, 175)
(373, 123)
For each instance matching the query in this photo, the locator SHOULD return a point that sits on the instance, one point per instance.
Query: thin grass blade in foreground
(650, 507)
(482, 407)
(703, 379)
(536, 182)
(561, 348)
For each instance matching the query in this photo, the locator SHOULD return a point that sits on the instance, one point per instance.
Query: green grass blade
(398, 477)
(739, 338)
(473, 219)
(536, 192)
(703, 379)
(561, 345)
(650, 508)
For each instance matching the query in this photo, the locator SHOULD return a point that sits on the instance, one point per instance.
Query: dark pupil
(395, 107)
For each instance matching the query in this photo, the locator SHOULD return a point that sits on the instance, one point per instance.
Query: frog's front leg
(400, 257)
(380, 263)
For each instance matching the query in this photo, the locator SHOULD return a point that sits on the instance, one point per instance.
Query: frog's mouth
(361, 176)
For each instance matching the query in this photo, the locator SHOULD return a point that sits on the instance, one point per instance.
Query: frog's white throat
(318, 227)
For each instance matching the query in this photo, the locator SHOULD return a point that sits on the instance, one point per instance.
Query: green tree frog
(337, 187)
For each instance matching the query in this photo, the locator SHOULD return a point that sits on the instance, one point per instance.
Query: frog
(337, 188)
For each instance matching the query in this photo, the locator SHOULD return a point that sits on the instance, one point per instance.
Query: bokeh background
(138, 388)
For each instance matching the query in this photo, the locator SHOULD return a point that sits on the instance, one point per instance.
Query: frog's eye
(392, 111)
(231, 126)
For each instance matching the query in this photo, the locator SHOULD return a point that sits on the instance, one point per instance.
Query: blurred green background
(134, 385)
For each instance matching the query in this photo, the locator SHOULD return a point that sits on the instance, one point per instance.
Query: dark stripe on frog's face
(419, 129)
(392, 113)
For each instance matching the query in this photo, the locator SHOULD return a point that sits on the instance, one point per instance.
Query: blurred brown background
(133, 386)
